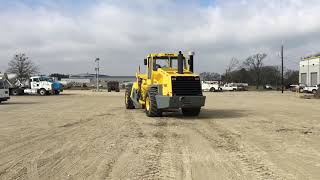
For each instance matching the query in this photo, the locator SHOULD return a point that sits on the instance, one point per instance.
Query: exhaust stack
(180, 63)
(191, 55)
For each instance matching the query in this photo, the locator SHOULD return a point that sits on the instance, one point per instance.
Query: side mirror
(145, 62)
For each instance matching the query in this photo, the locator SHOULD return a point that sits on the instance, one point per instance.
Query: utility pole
(97, 72)
(282, 89)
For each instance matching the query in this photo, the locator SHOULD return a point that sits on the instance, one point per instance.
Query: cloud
(66, 37)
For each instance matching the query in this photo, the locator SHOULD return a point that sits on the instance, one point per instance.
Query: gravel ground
(87, 135)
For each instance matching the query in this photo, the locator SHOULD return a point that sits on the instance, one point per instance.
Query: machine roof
(163, 55)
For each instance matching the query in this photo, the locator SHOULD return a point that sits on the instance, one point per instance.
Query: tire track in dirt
(104, 157)
(150, 152)
(136, 131)
(200, 160)
(224, 140)
(168, 155)
(152, 155)
(21, 153)
(55, 160)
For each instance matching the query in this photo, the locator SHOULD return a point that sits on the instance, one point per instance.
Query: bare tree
(210, 76)
(255, 63)
(233, 64)
(22, 66)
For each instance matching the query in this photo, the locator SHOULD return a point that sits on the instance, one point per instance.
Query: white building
(310, 70)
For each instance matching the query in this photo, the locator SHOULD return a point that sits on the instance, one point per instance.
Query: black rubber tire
(153, 111)
(14, 92)
(42, 92)
(118, 90)
(212, 89)
(128, 101)
(314, 91)
(191, 111)
(57, 92)
(109, 90)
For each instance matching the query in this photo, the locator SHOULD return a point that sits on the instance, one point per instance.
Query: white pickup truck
(230, 87)
(210, 86)
(311, 89)
(4, 91)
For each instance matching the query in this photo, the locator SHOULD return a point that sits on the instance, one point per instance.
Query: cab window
(36, 80)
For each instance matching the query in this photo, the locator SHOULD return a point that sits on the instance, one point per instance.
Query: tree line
(253, 71)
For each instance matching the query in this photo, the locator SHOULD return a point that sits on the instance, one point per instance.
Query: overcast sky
(66, 36)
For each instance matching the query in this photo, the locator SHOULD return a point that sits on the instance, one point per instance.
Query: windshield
(3, 85)
(168, 62)
(43, 78)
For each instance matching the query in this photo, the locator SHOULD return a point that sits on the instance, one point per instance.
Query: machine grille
(186, 86)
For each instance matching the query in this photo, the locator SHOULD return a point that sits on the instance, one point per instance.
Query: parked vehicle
(4, 91)
(113, 86)
(293, 87)
(311, 89)
(229, 87)
(210, 86)
(41, 85)
(268, 87)
(242, 86)
(301, 87)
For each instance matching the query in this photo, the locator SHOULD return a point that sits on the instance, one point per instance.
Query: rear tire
(109, 90)
(15, 92)
(151, 104)
(314, 91)
(128, 101)
(212, 89)
(43, 92)
(191, 111)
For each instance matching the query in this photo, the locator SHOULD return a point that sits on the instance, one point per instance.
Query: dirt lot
(85, 135)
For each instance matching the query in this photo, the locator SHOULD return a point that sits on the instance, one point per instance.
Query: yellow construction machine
(168, 84)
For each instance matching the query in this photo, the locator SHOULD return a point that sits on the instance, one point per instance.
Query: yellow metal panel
(161, 77)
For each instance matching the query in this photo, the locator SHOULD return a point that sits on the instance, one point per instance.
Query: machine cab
(168, 62)
(38, 82)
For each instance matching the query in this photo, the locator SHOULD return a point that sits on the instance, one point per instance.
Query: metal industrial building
(310, 70)
(90, 79)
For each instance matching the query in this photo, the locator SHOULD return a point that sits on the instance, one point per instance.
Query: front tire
(314, 91)
(151, 104)
(43, 92)
(191, 111)
(212, 89)
(128, 101)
